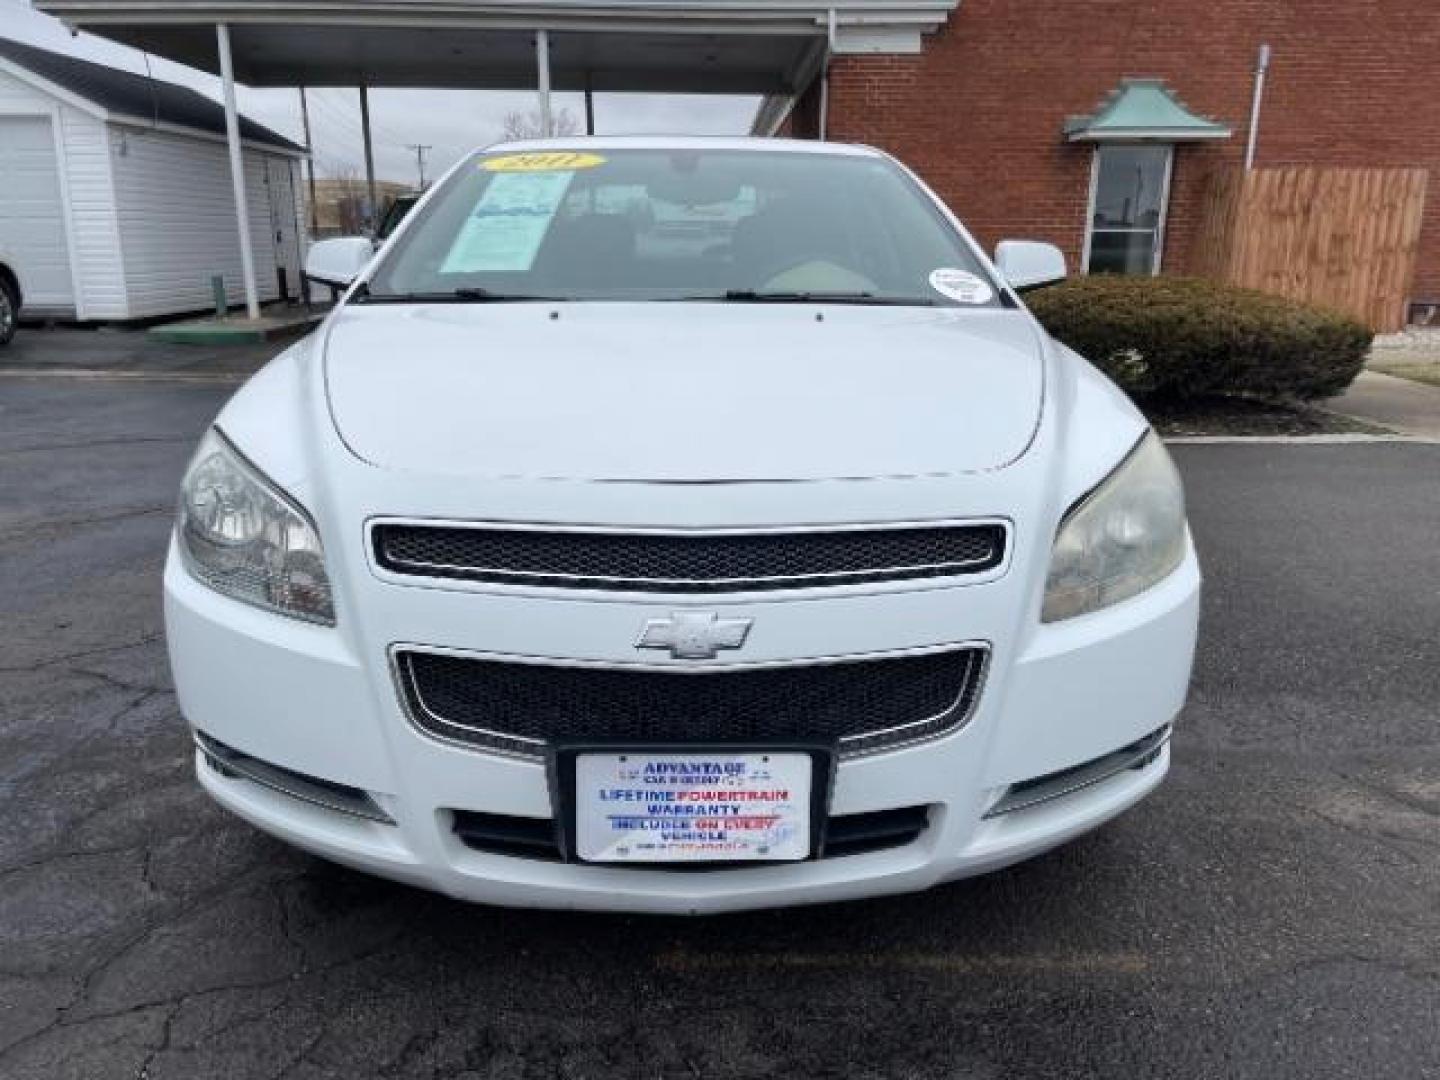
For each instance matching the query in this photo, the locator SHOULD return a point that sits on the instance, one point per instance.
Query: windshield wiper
(757, 296)
(467, 295)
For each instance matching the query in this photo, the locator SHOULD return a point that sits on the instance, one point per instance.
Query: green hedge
(1177, 338)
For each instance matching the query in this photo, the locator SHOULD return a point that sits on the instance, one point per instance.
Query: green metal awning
(1143, 109)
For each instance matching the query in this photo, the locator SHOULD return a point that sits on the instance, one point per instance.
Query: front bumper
(313, 700)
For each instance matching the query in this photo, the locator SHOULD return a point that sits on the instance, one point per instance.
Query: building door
(280, 184)
(32, 215)
(1129, 190)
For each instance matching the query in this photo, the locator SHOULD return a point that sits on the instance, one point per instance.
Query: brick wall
(978, 113)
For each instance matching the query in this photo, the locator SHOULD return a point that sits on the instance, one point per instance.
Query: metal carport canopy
(770, 47)
(705, 46)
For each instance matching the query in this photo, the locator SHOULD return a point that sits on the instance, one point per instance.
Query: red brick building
(980, 96)
(979, 105)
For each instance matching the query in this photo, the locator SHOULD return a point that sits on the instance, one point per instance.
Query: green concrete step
(236, 331)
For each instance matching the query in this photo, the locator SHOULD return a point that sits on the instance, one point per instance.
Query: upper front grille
(688, 563)
(861, 705)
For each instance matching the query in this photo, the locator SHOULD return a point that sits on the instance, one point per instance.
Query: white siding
(32, 214)
(177, 220)
(19, 97)
(94, 229)
(92, 234)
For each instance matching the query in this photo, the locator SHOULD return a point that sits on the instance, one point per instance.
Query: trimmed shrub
(1176, 338)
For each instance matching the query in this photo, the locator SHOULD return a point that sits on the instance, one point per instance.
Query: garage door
(32, 217)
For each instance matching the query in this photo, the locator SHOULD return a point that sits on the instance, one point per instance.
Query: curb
(1300, 440)
(103, 375)
(235, 332)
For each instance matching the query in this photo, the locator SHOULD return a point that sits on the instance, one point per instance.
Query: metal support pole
(369, 159)
(309, 162)
(1262, 65)
(824, 122)
(542, 72)
(237, 170)
(589, 107)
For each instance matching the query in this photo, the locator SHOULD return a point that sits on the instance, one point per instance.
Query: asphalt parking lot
(1273, 911)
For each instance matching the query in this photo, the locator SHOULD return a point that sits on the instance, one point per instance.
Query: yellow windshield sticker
(542, 161)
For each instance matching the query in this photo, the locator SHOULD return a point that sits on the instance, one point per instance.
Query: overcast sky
(451, 121)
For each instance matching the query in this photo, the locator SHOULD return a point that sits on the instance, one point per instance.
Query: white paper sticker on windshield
(503, 233)
(960, 285)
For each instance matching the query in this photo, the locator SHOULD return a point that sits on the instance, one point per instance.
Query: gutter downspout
(1262, 65)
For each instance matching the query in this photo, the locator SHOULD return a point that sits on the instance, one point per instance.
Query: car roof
(682, 142)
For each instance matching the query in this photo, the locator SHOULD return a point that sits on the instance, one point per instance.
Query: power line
(343, 105)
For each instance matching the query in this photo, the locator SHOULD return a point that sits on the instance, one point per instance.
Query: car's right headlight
(244, 537)
(1119, 540)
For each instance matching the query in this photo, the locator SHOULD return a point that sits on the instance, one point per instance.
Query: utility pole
(309, 161)
(420, 149)
(374, 216)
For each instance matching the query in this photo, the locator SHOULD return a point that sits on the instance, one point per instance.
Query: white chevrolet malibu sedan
(680, 525)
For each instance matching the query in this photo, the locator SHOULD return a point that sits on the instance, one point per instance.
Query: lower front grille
(858, 705)
(539, 838)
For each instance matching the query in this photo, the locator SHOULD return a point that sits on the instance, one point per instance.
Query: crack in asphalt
(67, 1058)
(51, 857)
(123, 949)
(410, 1052)
(51, 525)
(287, 931)
(87, 739)
(119, 683)
(95, 444)
(166, 1029)
(82, 654)
(1383, 839)
(177, 1001)
(302, 1058)
(1410, 802)
(39, 855)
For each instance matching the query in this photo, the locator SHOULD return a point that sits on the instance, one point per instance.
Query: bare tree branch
(527, 125)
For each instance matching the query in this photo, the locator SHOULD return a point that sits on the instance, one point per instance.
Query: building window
(1129, 189)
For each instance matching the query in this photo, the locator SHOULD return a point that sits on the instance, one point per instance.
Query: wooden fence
(1341, 238)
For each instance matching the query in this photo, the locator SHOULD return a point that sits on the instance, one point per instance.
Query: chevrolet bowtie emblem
(694, 635)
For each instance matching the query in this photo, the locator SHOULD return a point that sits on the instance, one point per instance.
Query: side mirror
(1029, 263)
(338, 262)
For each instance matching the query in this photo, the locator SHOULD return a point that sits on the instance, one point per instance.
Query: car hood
(683, 392)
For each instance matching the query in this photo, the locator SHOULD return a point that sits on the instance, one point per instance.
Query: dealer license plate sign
(668, 807)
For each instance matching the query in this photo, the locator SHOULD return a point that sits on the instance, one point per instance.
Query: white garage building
(115, 193)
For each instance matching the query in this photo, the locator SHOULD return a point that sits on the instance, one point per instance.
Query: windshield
(739, 225)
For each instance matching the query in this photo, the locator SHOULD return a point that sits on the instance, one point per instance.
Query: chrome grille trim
(993, 533)
(427, 721)
(1043, 789)
(338, 797)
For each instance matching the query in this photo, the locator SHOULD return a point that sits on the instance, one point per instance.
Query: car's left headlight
(1119, 540)
(244, 537)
